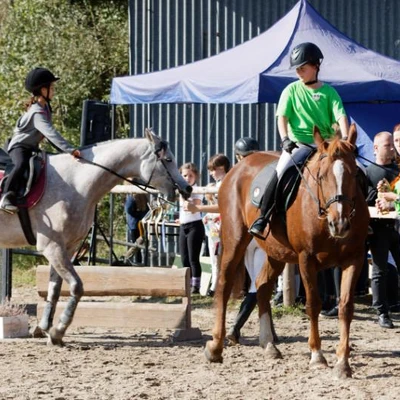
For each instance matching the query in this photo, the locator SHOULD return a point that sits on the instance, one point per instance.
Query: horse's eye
(168, 159)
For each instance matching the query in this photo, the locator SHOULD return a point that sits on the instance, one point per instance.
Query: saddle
(286, 189)
(35, 179)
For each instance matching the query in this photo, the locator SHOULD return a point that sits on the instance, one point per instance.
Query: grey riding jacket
(33, 126)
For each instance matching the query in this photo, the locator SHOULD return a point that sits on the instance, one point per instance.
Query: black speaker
(96, 122)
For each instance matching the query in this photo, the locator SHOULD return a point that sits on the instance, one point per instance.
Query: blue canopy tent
(258, 70)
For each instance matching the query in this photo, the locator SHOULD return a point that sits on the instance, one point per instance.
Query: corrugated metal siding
(166, 34)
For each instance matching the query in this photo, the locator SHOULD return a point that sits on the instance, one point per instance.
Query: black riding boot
(259, 225)
(7, 203)
(246, 308)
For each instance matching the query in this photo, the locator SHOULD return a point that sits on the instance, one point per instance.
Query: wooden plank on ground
(123, 281)
(124, 315)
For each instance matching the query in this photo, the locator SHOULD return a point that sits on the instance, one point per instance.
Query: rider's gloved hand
(288, 145)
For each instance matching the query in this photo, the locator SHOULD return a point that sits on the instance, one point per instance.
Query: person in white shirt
(191, 231)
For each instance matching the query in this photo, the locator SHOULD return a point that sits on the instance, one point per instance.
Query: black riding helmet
(246, 145)
(38, 78)
(306, 53)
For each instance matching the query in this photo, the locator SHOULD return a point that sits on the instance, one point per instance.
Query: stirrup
(256, 232)
(7, 206)
(9, 209)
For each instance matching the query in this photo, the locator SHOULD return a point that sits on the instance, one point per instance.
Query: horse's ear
(151, 136)
(352, 138)
(317, 136)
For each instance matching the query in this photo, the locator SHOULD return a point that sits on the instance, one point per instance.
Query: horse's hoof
(232, 340)
(212, 354)
(272, 352)
(37, 332)
(318, 360)
(342, 370)
(54, 342)
(54, 338)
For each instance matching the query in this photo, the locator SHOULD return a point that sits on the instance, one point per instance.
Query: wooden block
(124, 315)
(184, 335)
(123, 281)
(14, 327)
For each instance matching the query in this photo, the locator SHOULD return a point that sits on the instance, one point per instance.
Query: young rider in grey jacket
(32, 127)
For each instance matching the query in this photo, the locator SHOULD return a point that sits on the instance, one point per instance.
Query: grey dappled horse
(65, 213)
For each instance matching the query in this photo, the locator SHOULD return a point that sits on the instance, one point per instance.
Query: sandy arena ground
(101, 364)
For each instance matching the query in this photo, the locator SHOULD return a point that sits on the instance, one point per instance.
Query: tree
(85, 42)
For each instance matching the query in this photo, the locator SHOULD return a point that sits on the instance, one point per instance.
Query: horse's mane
(98, 144)
(334, 149)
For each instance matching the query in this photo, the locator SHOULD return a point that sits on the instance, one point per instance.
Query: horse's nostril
(189, 189)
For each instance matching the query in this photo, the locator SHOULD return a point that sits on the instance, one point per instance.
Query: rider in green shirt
(302, 105)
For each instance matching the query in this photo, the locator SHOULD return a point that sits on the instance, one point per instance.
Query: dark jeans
(384, 239)
(191, 236)
(20, 158)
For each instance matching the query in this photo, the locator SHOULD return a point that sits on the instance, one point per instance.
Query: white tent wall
(166, 34)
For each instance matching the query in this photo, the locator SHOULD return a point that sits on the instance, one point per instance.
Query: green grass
(277, 312)
(22, 277)
(296, 311)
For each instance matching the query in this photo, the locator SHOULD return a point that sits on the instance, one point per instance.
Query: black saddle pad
(287, 186)
(260, 182)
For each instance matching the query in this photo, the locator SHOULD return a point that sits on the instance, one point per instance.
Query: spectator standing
(191, 231)
(385, 237)
(136, 208)
(218, 166)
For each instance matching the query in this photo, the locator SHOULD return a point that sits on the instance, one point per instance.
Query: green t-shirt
(305, 107)
(397, 191)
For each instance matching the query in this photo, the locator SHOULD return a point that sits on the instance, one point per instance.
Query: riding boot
(258, 227)
(7, 203)
(246, 308)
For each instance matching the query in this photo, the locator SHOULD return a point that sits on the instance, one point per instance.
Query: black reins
(143, 186)
(322, 210)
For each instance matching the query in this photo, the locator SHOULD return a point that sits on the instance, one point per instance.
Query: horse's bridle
(144, 186)
(162, 146)
(339, 198)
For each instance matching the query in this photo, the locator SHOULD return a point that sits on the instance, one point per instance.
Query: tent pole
(258, 130)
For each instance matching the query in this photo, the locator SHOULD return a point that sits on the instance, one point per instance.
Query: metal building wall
(169, 33)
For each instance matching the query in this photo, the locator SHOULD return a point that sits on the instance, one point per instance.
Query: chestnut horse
(326, 226)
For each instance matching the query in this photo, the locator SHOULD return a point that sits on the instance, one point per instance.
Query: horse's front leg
(53, 294)
(265, 284)
(65, 269)
(308, 271)
(346, 311)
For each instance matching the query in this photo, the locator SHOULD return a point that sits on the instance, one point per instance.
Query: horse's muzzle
(186, 191)
(339, 228)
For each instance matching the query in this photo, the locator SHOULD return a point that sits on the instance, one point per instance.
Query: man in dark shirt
(385, 237)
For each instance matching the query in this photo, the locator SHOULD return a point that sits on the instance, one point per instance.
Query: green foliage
(84, 42)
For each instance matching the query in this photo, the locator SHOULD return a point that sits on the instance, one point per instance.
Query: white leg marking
(265, 330)
(316, 356)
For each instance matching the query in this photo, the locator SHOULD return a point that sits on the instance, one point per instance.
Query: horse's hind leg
(265, 284)
(53, 294)
(232, 252)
